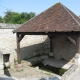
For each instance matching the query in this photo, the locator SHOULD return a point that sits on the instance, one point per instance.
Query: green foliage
(26, 16)
(16, 18)
(9, 15)
(0, 27)
(1, 19)
(32, 14)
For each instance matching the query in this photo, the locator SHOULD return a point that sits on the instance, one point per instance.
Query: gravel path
(29, 73)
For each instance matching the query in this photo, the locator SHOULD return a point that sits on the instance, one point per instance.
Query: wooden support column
(77, 56)
(18, 48)
(51, 46)
(78, 44)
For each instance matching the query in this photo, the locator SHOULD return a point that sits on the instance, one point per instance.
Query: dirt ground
(23, 72)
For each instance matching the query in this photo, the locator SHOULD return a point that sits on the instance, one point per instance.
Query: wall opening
(6, 60)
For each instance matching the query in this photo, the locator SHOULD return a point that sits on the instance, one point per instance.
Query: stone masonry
(32, 45)
(1, 63)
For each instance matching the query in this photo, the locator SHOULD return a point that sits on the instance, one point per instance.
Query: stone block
(11, 61)
(77, 59)
(1, 57)
(1, 61)
(1, 66)
(69, 72)
(19, 67)
(1, 71)
(51, 54)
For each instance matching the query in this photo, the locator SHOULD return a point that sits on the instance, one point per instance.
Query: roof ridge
(51, 17)
(71, 15)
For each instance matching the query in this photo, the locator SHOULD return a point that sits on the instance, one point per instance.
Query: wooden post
(51, 46)
(78, 44)
(18, 48)
(77, 56)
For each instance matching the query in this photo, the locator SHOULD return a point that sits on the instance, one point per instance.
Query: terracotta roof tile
(56, 18)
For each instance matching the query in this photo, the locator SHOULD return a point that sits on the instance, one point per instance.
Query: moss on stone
(62, 71)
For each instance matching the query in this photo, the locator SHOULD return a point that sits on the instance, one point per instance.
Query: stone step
(58, 63)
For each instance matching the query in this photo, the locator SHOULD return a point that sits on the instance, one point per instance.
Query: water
(51, 69)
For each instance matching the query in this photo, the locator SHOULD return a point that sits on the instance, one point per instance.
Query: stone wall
(63, 47)
(9, 26)
(32, 45)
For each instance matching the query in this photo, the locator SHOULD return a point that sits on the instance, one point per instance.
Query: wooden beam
(51, 46)
(48, 33)
(21, 37)
(18, 48)
(72, 40)
(78, 44)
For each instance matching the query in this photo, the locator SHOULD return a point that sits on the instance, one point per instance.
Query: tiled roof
(57, 18)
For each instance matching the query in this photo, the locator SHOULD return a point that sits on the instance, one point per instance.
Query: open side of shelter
(57, 20)
(51, 37)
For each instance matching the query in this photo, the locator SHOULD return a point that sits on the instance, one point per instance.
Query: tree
(17, 18)
(27, 16)
(32, 14)
(1, 19)
(8, 16)
(24, 16)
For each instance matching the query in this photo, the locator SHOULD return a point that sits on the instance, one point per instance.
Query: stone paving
(32, 73)
(35, 74)
(75, 76)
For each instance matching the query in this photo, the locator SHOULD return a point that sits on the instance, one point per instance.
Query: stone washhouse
(62, 27)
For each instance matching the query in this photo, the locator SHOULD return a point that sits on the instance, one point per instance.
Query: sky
(36, 6)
